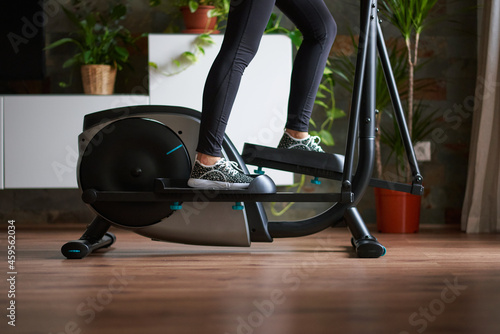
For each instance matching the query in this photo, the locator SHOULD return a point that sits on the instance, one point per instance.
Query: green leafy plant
(100, 38)
(187, 58)
(274, 27)
(411, 18)
(423, 125)
(220, 11)
(325, 99)
(221, 6)
(344, 69)
(199, 45)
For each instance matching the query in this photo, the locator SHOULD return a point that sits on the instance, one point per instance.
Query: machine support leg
(366, 245)
(95, 237)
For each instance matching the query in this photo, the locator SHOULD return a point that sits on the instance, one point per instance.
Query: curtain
(481, 209)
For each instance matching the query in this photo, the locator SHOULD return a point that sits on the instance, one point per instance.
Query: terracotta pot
(397, 212)
(199, 22)
(98, 79)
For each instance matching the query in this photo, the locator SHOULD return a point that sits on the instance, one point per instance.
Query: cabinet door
(41, 136)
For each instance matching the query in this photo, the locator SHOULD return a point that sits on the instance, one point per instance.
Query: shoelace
(314, 142)
(230, 166)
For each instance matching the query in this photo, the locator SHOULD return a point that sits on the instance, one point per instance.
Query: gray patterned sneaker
(223, 175)
(310, 143)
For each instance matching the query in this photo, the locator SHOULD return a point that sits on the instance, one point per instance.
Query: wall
(449, 47)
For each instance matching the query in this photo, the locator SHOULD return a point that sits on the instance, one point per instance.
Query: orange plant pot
(198, 22)
(397, 212)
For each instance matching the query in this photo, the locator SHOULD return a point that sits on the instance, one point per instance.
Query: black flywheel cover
(128, 155)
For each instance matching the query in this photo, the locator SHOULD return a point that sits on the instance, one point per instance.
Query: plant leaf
(190, 56)
(326, 138)
(296, 37)
(87, 57)
(72, 61)
(122, 52)
(321, 103)
(206, 38)
(61, 42)
(193, 6)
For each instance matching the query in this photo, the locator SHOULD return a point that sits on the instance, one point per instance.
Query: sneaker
(310, 143)
(223, 175)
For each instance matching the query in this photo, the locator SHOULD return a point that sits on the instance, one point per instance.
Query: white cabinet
(41, 134)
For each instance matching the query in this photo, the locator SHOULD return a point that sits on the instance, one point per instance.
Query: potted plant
(101, 43)
(200, 16)
(399, 212)
(203, 16)
(396, 211)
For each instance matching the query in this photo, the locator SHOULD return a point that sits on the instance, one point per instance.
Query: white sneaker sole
(208, 184)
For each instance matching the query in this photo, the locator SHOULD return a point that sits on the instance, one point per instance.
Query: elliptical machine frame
(243, 223)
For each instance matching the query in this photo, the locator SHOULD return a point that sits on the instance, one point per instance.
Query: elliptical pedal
(296, 161)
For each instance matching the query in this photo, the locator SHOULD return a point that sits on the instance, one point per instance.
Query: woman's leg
(246, 23)
(318, 28)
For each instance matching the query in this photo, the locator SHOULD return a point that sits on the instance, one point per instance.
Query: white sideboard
(39, 132)
(40, 138)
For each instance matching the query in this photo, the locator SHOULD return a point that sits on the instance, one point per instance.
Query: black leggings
(245, 26)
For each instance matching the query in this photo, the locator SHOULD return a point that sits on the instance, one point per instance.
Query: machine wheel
(128, 155)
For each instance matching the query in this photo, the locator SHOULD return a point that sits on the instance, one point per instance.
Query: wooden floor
(436, 281)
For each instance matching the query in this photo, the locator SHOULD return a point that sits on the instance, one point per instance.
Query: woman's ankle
(297, 134)
(207, 160)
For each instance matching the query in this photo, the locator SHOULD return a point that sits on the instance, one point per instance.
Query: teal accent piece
(385, 251)
(259, 171)
(316, 181)
(237, 206)
(174, 149)
(74, 251)
(176, 206)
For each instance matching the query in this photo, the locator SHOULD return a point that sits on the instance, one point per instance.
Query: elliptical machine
(134, 163)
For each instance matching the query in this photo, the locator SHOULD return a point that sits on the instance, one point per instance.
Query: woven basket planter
(98, 79)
